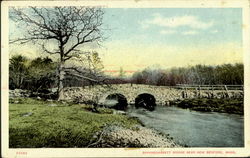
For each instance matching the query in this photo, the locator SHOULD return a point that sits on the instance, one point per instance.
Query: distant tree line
(42, 73)
(226, 74)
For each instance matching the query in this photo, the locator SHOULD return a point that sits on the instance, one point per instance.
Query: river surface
(193, 128)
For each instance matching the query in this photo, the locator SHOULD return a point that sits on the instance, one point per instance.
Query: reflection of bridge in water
(163, 95)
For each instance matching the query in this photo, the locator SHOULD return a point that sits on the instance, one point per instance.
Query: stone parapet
(162, 94)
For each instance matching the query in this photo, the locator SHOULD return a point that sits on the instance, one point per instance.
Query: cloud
(144, 24)
(190, 33)
(214, 31)
(164, 32)
(177, 21)
(169, 32)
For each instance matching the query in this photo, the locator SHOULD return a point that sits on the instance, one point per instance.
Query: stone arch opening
(145, 100)
(116, 101)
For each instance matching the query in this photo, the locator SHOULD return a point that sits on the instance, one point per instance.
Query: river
(193, 128)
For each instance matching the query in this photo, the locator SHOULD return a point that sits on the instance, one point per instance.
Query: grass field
(35, 123)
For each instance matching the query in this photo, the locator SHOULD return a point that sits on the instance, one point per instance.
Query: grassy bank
(35, 123)
(232, 106)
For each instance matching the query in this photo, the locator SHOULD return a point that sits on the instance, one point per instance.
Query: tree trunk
(60, 83)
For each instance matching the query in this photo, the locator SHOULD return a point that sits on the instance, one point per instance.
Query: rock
(63, 102)
(18, 93)
(53, 90)
(52, 105)
(119, 112)
(16, 101)
(27, 114)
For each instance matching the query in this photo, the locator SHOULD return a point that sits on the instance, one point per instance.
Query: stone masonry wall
(162, 94)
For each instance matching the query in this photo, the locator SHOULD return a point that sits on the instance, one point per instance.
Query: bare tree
(59, 30)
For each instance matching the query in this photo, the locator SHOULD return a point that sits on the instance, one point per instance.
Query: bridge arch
(145, 100)
(117, 101)
(103, 97)
(129, 95)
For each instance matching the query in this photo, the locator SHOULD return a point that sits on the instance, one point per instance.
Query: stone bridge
(162, 94)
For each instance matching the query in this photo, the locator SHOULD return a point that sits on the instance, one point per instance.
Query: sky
(138, 38)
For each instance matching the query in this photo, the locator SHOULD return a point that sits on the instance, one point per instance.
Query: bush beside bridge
(232, 106)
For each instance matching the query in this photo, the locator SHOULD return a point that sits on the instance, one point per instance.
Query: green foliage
(18, 71)
(35, 74)
(42, 74)
(96, 62)
(58, 126)
(233, 106)
(40, 66)
(39, 74)
(121, 73)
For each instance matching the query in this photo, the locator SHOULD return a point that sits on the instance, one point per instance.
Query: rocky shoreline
(139, 137)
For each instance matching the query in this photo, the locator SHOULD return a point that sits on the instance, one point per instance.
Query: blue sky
(222, 25)
(138, 38)
(171, 37)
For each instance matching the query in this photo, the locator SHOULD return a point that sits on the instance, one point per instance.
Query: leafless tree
(59, 31)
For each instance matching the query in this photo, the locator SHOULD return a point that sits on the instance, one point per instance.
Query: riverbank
(224, 105)
(50, 124)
